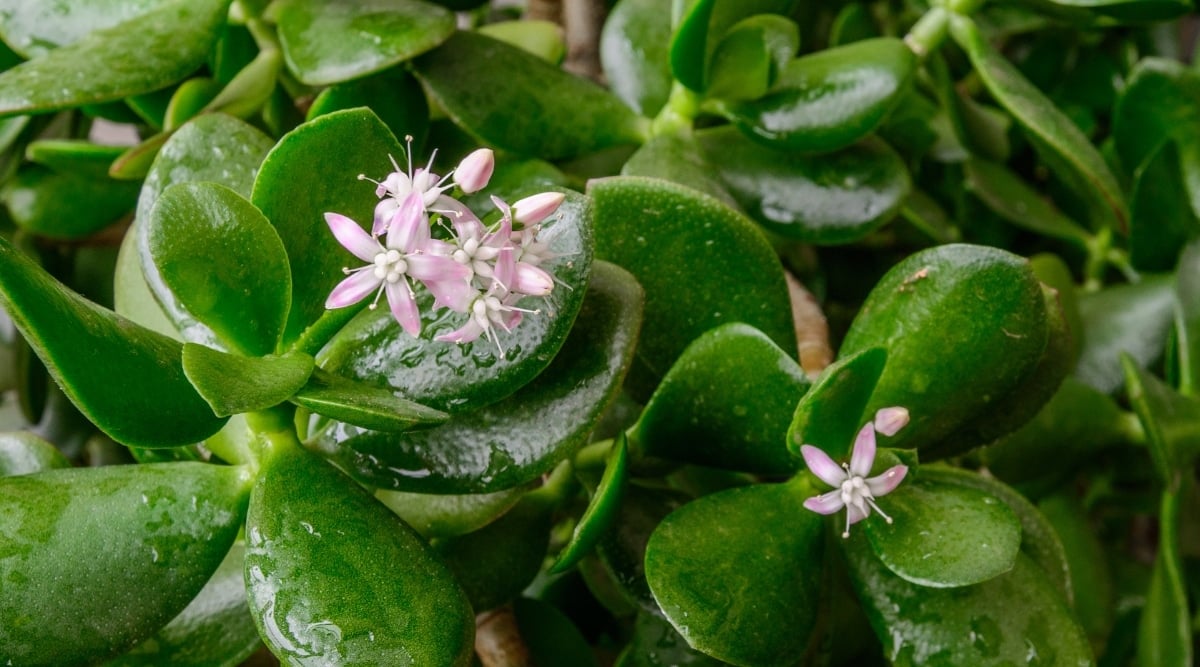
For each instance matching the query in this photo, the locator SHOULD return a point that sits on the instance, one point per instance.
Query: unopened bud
(889, 421)
(474, 172)
(536, 208)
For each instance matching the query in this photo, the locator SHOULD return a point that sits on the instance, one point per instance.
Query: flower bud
(474, 172)
(536, 208)
(889, 421)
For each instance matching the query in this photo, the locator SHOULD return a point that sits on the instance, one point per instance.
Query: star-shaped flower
(853, 490)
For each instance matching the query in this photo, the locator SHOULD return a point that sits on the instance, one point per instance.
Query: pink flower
(853, 490)
(392, 190)
(389, 267)
(475, 170)
(492, 309)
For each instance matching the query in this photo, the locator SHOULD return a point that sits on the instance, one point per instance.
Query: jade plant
(779, 333)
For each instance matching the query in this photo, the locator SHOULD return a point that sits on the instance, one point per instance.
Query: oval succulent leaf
(232, 384)
(22, 453)
(363, 404)
(831, 411)
(701, 29)
(634, 53)
(601, 511)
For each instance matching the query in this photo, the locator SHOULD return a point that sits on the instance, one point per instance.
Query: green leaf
(1091, 580)
(22, 453)
(963, 326)
(701, 264)
(73, 155)
(1171, 421)
(250, 89)
(373, 348)
(551, 636)
(222, 263)
(1133, 11)
(1165, 627)
(145, 53)
(655, 643)
(830, 99)
(727, 402)
(1134, 319)
(333, 576)
(214, 629)
(748, 56)
(447, 515)
(853, 23)
(331, 42)
(544, 39)
(1059, 141)
(738, 573)
(34, 28)
(233, 384)
(1160, 102)
(701, 29)
(96, 559)
(1187, 318)
(313, 170)
(514, 441)
(363, 404)
(66, 205)
(622, 552)
(634, 53)
(1161, 217)
(602, 510)
(830, 413)
(538, 110)
(944, 536)
(1010, 197)
(395, 96)
(1002, 621)
(189, 99)
(828, 199)
(126, 379)
(678, 158)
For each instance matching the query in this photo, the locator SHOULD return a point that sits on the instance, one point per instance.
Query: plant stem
(1097, 260)
(274, 428)
(679, 112)
(594, 455)
(928, 33)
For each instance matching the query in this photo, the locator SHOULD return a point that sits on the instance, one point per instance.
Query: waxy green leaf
(655, 642)
(97, 559)
(830, 99)
(701, 29)
(544, 39)
(395, 96)
(128, 380)
(22, 453)
(622, 552)
(334, 41)
(678, 158)
(520, 438)
(727, 402)
(1134, 319)
(827, 199)
(1133, 11)
(831, 412)
(222, 263)
(737, 573)
(364, 405)
(459, 378)
(1171, 421)
(944, 536)
(333, 576)
(35, 200)
(749, 56)
(602, 510)
(34, 28)
(232, 384)
(447, 515)
(1165, 627)
(537, 110)
(1059, 141)
(1161, 215)
(701, 264)
(1187, 318)
(313, 170)
(634, 53)
(145, 53)
(1160, 102)
(1090, 576)
(1017, 202)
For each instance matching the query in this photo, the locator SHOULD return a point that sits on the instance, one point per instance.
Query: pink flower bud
(474, 172)
(889, 421)
(536, 208)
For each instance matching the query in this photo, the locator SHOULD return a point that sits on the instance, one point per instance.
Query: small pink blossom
(535, 208)
(475, 170)
(853, 490)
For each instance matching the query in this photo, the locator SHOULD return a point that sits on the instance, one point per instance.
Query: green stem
(594, 455)
(559, 485)
(1131, 428)
(1120, 259)
(964, 7)
(679, 112)
(275, 429)
(928, 33)
(1097, 259)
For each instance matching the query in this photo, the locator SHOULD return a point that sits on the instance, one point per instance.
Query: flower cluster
(852, 488)
(481, 271)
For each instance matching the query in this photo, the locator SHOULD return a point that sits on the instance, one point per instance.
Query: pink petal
(504, 232)
(534, 209)
(889, 421)
(826, 503)
(881, 485)
(506, 268)
(855, 514)
(822, 466)
(531, 280)
(404, 307)
(466, 223)
(456, 295)
(474, 172)
(353, 289)
(464, 334)
(352, 237)
(863, 456)
(409, 228)
(385, 210)
(436, 268)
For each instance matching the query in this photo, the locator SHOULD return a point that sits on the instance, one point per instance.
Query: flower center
(390, 266)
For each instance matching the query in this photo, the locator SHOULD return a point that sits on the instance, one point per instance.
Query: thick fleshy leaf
(963, 326)
(701, 264)
(445, 515)
(1165, 629)
(749, 55)
(944, 536)
(520, 438)
(833, 409)
(145, 53)
(1002, 621)
(1091, 579)
(1132, 11)
(602, 510)
(1187, 318)
(460, 378)
(96, 559)
(1160, 102)
(679, 159)
(331, 42)
(1017, 202)
(537, 110)
(127, 379)
(634, 53)
(1161, 216)
(701, 29)
(395, 96)
(333, 576)
(544, 39)
(33, 28)
(364, 405)
(66, 204)
(190, 97)
(313, 170)
(1171, 421)
(551, 636)
(233, 384)
(738, 573)
(1134, 319)
(827, 199)
(727, 402)
(830, 99)
(188, 156)
(1060, 142)
(222, 263)
(215, 629)
(22, 453)
(622, 552)
(655, 642)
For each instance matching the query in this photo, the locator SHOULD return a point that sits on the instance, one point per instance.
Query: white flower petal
(822, 466)
(863, 456)
(352, 237)
(826, 503)
(353, 289)
(881, 485)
